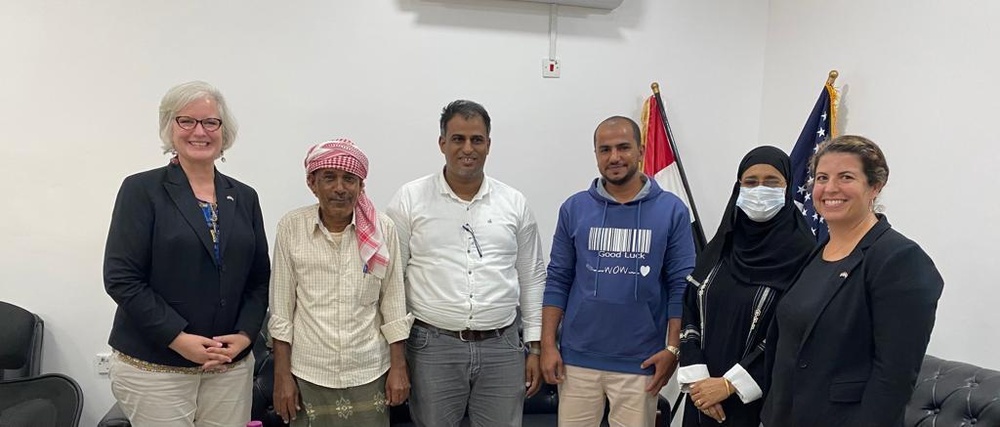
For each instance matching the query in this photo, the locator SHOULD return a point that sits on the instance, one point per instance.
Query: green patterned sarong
(361, 406)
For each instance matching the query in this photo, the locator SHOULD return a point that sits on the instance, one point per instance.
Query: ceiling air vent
(596, 4)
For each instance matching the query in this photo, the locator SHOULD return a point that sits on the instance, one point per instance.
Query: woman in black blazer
(186, 261)
(849, 336)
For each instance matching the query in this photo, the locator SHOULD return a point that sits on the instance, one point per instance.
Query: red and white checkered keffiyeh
(342, 154)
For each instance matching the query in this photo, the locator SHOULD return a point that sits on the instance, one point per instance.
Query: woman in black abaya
(760, 245)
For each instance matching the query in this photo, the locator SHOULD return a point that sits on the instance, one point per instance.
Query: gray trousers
(447, 375)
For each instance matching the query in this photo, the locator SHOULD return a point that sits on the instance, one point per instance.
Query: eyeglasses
(475, 241)
(210, 124)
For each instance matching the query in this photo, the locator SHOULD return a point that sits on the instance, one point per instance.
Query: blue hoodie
(617, 271)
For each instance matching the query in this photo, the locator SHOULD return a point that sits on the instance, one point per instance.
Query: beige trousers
(582, 394)
(168, 399)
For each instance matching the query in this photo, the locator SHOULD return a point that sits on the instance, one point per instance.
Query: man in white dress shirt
(472, 256)
(338, 309)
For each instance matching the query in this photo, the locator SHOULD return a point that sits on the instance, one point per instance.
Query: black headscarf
(760, 253)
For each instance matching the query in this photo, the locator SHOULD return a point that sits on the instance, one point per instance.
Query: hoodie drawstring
(604, 220)
(638, 223)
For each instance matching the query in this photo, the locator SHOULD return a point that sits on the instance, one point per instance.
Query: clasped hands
(708, 394)
(213, 354)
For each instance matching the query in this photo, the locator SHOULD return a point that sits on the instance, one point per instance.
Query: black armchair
(50, 400)
(27, 398)
(263, 382)
(21, 333)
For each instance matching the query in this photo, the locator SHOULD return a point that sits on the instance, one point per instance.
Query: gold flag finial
(656, 87)
(834, 104)
(832, 77)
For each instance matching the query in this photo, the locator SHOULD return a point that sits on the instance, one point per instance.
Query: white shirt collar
(444, 188)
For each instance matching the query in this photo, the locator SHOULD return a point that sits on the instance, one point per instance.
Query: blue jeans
(448, 374)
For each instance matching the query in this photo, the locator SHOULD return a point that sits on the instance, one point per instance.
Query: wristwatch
(676, 351)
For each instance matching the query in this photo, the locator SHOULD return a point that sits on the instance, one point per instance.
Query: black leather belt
(464, 335)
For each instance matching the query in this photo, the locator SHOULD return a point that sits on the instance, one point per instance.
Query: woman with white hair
(186, 261)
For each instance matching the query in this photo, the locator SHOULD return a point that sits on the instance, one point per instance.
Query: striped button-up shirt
(338, 319)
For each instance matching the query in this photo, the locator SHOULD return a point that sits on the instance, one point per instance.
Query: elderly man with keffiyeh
(338, 309)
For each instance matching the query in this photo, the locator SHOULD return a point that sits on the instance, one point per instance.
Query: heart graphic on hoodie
(644, 270)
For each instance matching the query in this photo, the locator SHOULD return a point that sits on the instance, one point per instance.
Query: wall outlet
(102, 363)
(550, 68)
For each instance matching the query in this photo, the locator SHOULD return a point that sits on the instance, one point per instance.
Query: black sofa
(951, 393)
(947, 393)
(539, 410)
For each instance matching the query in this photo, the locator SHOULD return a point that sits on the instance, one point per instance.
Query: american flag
(818, 128)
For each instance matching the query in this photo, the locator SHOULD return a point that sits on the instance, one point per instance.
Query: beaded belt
(464, 335)
(167, 369)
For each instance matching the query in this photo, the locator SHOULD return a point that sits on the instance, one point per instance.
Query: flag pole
(699, 234)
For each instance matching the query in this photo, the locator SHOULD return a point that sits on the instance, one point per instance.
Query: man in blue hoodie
(620, 255)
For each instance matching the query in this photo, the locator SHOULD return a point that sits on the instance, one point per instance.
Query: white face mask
(761, 203)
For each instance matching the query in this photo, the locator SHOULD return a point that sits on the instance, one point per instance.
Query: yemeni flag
(663, 163)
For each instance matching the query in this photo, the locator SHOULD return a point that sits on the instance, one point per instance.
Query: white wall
(80, 83)
(919, 78)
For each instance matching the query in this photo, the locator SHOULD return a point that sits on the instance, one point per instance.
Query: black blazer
(859, 358)
(159, 264)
